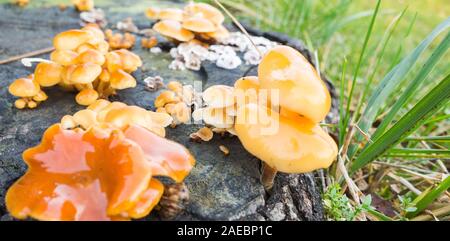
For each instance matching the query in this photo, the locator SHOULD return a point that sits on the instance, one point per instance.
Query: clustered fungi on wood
(120, 41)
(176, 101)
(297, 144)
(101, 166)
(199, 21)
(80, 62)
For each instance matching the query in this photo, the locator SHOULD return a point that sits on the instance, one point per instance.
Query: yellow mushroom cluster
(176, 101)
(118, 115)
(220, 109)
(80, 62)
(196, 21)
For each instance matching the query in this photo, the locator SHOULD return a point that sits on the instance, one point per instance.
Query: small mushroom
(71, 39)
(149, 43)
(164, 14)
(173, 30)
(83, 73)
(216, 117)
(218, 96)
(224, 149)
(86, 97)
(48, 74)
(204, 10)
(26, 88)
(64, 57)
(199, 25)
(166, 97)
(219, 34)
(122, 80)
(91, 56)
(204, 133)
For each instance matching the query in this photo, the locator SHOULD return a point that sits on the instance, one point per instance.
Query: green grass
(390, 62)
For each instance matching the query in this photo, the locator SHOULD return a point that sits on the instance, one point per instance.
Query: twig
(239, 25)
(405, 183)
(443, 211)
(26, 55)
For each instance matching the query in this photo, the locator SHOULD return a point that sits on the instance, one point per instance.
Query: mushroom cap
(220, 33)
(48, 74)
(199, 25)
(161, 119)
(218, 96)
(83, 73)
(152, 12)
(129, 115)
(300, 88)
(85, 175)
(204, 10)
(95, 30)
(86, 97)
(85, 118)
(173, 29)
(71, 39)
(165, 97)
(129, 60)
(113, 61)
(122, 80)
(24, 87)
(204, 133)
(290, 145)
(64, 57)
(91, 56)
(98, 105)
(216, 117)
(171, 13)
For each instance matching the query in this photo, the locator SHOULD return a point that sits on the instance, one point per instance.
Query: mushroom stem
(100, 87)
(173, 200)
(268, 176)
(79, 87)
(88, 86)
(108, 91)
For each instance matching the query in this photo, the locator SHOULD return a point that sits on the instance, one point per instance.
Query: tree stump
(221, 187)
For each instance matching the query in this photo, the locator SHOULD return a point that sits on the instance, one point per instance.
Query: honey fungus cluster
(199, 21)
(80, 62)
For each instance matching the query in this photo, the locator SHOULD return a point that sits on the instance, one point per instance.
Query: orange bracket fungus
(80, 62)
(289, 140)
(103, 169)
(197, 20)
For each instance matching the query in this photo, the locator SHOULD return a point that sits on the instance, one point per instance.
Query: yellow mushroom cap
(98, 105)
(130, 61)
(102, 109)
(84, 5)
(71, 39)
(91, 56)
(206, 11)
(85, 118)
(86, 97)
(174, 30)
(24, 87)
(199, 25)
(95, 30)
(64, 57)
(218, 96)
(300, 88)
(220, 33)
(113, 61)
(83, 73)
(48, 74)
(122, 80)
(129, 115)
(288, 145)
(165, 13)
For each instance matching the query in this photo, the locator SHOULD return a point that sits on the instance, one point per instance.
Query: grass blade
(390, 82)
(424, 200)
(413, 85)
(426, 107)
